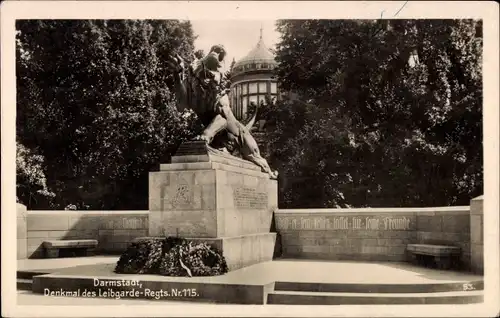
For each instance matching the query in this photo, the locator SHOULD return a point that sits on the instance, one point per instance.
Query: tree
(31, 181)
(392, 114)
(199, 54)
(263, 109)
(95, 100)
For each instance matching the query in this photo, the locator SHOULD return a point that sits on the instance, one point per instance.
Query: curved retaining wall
(113, 230)
(376, 234)
(379, 234)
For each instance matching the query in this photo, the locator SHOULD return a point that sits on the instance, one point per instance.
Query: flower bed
(171, 256)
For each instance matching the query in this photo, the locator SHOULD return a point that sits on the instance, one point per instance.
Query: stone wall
(477, 235)
(379, 234)
(22, 241)
(446, 226)
(113, 230)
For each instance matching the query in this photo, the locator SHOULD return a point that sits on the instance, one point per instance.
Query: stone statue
(201, 87)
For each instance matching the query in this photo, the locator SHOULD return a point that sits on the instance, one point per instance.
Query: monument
(208, 194)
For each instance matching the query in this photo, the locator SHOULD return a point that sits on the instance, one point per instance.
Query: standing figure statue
(201, 87)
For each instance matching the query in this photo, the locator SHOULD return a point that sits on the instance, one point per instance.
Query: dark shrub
(172, 257)
(200, 258)
(136, 257)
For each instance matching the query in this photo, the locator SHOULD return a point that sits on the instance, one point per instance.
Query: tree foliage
(389, 112)
(95, 99)
(31, 181)
(262, 109)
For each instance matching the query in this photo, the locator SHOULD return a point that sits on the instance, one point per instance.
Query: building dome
(252, 79)
(259, 58)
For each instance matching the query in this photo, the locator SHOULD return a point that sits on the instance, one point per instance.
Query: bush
(200, 258)
(171, 257)
(140, 257)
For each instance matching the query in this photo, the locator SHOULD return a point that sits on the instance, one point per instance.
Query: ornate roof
(259, 58)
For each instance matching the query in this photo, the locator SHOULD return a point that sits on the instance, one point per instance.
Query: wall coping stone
(21, 210)
(454, 209)
(479, 198)
(86, 212)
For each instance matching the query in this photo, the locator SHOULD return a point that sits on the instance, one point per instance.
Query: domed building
(252, 79)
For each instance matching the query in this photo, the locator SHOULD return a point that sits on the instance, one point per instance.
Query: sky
(237, 36)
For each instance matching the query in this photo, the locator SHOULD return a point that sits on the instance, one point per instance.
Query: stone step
(24, 284)
(319, 298)
(153, 287)
(25, 279)
(192, 148)
(213, 164)
(195, 152)
(380, 288)
(219, 158)
(253, 171)
(29, 274)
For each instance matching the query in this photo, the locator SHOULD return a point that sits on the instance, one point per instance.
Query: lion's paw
(273, 174)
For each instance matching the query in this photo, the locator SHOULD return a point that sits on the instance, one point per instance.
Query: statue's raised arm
(181, 72)
(198, 83)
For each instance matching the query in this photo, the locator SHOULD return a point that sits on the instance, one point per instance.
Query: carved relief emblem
(182, 196)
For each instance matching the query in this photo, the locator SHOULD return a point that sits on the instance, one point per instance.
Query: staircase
(470, 290)
(288, 293)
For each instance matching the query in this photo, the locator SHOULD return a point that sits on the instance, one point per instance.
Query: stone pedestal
(211, 196)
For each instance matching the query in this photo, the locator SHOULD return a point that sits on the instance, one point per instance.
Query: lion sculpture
(200, 86)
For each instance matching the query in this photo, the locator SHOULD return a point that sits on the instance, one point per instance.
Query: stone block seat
(53, 247)
(445, 256)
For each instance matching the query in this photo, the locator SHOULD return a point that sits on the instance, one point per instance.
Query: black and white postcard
(250, 158)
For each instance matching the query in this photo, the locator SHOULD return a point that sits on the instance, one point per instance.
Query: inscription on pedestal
(249, 198)
(124, 223)
(345, 223)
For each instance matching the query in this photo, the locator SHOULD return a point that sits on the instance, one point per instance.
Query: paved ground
(294, 271)
(26, 298)
(279, 270)
(54, 263)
